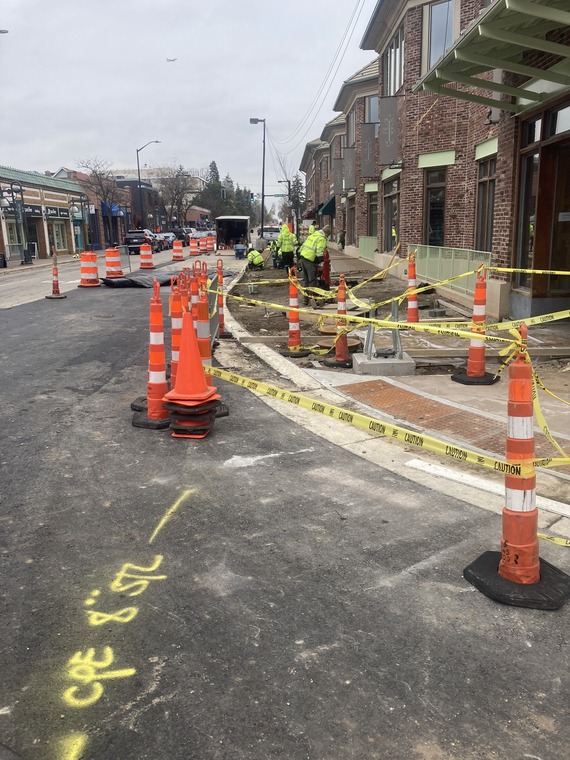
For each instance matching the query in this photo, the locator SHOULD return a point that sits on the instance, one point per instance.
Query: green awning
(329, 208)
(499, 39)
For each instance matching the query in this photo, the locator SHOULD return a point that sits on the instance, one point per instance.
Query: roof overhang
(499, 40)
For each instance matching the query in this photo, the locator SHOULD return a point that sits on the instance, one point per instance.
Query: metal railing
(435, 263)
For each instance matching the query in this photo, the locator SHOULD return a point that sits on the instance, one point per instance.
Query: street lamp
(74, 210)
(256, 121)
(8, 197)
(139, 176)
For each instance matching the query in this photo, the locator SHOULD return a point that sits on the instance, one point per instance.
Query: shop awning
(310, 213)
(329, 208)
(500, 39)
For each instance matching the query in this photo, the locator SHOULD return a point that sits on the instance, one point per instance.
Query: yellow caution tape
(524, 469)
(554, 539)
(528, 321)
(564, 273)
(261, 282)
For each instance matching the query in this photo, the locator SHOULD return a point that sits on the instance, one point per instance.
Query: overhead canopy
(310, 213)
(499, 40)
(329, 208)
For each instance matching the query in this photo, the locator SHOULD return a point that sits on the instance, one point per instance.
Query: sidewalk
(474, 417)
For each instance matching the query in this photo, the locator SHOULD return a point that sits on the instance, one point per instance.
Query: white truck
(232, 231)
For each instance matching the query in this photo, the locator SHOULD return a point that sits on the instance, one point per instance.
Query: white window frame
(393, 64)
(456, 26)
(59, 235)
(367, 115)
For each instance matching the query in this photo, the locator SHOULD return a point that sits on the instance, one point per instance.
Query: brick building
(471, 145)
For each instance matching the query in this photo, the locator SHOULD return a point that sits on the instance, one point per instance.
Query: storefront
(513, 62)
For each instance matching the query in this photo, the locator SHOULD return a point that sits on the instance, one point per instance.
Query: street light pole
(139, 177)
(256, 121)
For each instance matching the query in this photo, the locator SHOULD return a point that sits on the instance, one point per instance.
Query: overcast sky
(86, 78)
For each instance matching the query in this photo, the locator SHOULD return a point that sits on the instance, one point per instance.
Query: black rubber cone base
(333, 363)
(550, 593)
(55, 297)
(139, 404)
(225, 335)
(172, 406)
(463, 378)
(142, 421)
(295, 354)
(223, 411)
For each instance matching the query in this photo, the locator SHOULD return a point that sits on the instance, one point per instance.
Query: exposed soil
(270, 286)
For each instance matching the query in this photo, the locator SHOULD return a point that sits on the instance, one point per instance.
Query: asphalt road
(260, 593)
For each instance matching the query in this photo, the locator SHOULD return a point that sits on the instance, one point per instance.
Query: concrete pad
(361, 365)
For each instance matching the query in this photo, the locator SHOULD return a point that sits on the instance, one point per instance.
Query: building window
(372, 214)
(531, 131)
(59, 236)
(558, 121)
(393, 64)
(371, 109)
(391, 216)
(324, 168)
(440, 29)
(351, 128)
(342, 142)
(485, 204)
(434, 205)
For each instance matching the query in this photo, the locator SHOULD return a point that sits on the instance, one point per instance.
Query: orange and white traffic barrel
(194, 247)
(89, 274)
(146, 260)
(210, 244)
(113, 263)
(177, 254)
(203, 245)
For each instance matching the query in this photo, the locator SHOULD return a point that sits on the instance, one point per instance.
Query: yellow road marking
(169, 512)
(72, 746)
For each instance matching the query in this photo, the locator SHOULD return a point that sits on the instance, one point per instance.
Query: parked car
(135, 238)
(181, 234)
(189, 231)
(169, 238)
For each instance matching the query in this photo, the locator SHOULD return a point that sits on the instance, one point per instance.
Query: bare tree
(102, 185)
(175, 186)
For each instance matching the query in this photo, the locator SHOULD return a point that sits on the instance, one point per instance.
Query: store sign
(51, 211)
(368, 150)
(31, 209)
(63, 213)
(349, 168)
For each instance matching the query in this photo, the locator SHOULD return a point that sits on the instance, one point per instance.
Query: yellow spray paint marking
(72, 746)
(89, 672)
(138, 576)
(169, 512)
(120, 616)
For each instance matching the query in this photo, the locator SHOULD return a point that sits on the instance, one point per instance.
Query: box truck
(232, 231)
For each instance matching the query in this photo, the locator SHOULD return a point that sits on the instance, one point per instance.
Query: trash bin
(3, 262)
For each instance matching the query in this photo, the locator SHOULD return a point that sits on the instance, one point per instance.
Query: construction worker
(255, 259)
(310, 256)
(286, 244)
(313, 228)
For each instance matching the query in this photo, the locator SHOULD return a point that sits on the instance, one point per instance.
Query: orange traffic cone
(221, 317)
(146, 260)
(413, 313)
(55, 291)
(177, 253)
(113, 263)
(474, 373)
(342, 357)
(294, 339)
(203, 333)
(89, 273)
(153, 415)
(516, 575)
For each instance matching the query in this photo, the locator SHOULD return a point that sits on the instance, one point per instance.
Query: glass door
(560, 248)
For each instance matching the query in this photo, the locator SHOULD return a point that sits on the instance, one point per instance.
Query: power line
(286, 152)
(323, 83)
